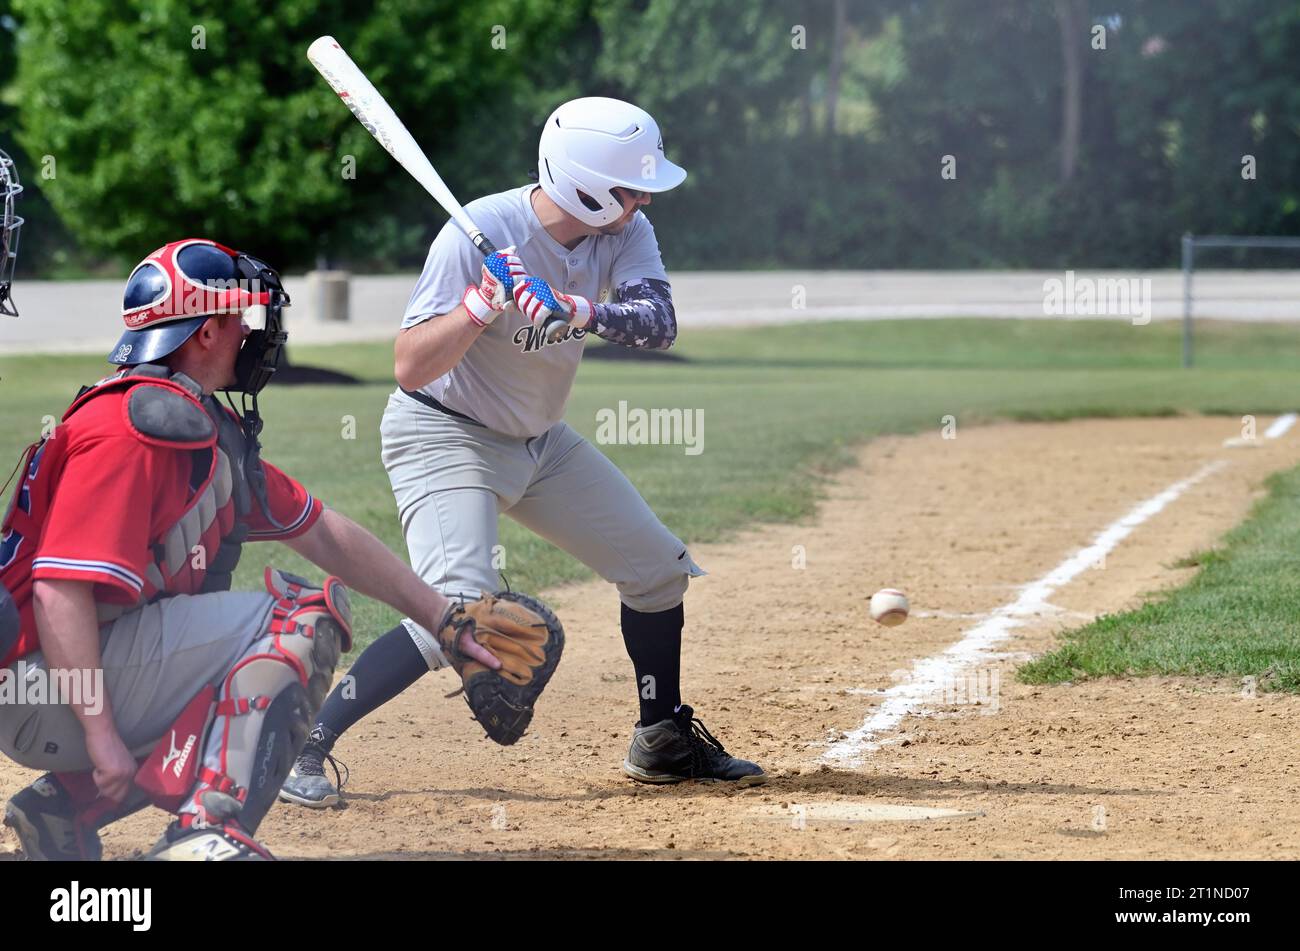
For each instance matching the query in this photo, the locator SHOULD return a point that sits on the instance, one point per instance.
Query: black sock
(384, 669)
(654, 642)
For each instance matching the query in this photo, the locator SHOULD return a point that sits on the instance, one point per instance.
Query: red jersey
(97, 500)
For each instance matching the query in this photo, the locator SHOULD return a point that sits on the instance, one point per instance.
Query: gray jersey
(510, 380)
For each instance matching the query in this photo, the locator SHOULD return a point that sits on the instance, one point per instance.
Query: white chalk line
(931, 675)
(1280, 426)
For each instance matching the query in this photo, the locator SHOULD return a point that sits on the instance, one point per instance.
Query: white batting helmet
(591, 145)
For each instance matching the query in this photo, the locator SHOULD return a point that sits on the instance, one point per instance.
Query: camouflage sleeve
(641, 315)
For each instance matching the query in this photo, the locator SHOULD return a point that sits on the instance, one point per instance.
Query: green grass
(1236, 618)
(782, 407)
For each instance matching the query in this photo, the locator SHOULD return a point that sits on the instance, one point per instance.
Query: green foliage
(243, 141)
(169, 119)
(1180, 93)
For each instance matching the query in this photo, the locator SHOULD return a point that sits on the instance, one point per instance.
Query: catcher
(118, 549)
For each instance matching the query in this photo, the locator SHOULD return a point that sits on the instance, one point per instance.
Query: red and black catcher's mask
(175, 289)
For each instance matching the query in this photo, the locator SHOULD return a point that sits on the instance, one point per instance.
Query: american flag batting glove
(579, 309)
(537, 301)
(501, 271)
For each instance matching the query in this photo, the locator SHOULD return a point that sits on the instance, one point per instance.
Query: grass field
(781, 407)
(1237, 617)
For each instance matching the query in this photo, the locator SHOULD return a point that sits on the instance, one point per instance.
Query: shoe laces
(312, 760)
(705, 747)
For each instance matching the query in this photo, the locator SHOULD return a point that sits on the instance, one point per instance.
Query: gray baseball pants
(452, 478)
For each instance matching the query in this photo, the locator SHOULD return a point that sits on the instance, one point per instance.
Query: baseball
(889, 607)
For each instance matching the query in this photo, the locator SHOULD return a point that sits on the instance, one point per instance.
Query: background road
(83, 316)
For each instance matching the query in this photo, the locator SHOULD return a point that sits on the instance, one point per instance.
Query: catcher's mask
(10, 224)
(175, 289)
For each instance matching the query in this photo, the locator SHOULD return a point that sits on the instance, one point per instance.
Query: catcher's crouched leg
(263, 711)
(528, 639)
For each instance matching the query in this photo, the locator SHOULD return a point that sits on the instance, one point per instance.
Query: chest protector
(198, 553)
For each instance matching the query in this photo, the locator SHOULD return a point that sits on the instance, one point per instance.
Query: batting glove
(537, 301)
(502, 271)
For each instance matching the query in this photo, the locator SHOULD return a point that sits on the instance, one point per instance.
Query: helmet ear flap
(577, 194)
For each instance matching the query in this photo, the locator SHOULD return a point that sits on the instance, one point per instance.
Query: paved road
(82, 316)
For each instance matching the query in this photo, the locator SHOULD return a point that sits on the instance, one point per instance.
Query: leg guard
(284, 732)
(265, 705)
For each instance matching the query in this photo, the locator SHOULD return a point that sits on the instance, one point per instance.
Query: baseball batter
(118, 547)
(475, 427)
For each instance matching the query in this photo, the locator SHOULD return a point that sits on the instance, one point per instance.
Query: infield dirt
(781, 660)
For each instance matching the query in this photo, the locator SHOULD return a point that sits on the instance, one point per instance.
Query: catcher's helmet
(10, 224)
(590, 146)
(176, 288)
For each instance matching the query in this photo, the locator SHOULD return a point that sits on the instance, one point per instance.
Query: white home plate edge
(930, 675)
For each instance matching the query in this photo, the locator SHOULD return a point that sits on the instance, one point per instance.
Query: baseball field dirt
(782, 662)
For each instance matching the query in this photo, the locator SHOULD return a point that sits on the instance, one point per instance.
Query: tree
(169, 118)
(839, 27)
(1070, 15)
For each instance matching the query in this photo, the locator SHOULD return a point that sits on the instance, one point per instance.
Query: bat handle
(555, 326)
(554, 329)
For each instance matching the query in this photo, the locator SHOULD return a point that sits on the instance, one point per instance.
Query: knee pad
(312, 627)
(264, 705)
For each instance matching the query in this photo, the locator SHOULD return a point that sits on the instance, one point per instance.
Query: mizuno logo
(181, 756)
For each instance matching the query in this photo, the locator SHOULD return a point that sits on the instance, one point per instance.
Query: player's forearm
(341, 547)
(426, 351)
(642, 316)
(68, 631)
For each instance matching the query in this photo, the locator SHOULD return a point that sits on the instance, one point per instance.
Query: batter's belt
(430, 402)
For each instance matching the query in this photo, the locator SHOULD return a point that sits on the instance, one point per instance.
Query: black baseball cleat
(681, 748)
(307, 785)
(44, 818)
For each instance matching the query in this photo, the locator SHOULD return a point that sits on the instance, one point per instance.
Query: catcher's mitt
(526, 636)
